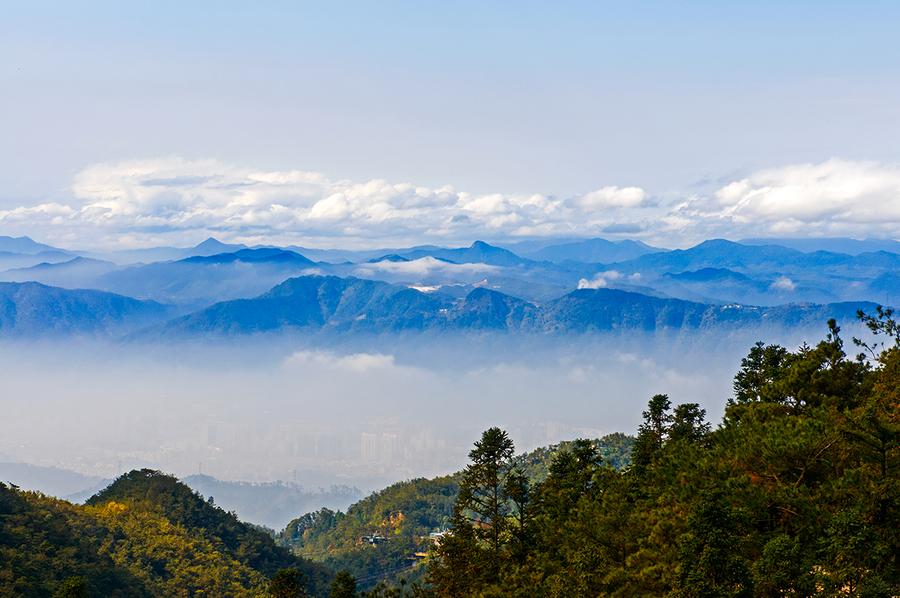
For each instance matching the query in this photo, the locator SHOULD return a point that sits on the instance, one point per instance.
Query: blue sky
(522, 109)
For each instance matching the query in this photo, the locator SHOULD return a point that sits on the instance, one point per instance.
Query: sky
(363, 124)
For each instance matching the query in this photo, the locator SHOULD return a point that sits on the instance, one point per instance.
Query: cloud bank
(175, 200)
(423, 267)
(601, 280)
(836, 197)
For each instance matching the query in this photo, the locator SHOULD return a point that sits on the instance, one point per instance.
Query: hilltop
(147, 534)
(405, 516)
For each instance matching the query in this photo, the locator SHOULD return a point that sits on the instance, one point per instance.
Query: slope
(33, 309)
(378, 536)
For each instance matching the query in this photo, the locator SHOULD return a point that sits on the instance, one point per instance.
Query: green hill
(145, 535)
(795, 493)
(379, 536)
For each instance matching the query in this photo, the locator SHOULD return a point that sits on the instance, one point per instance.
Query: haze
(364, 413)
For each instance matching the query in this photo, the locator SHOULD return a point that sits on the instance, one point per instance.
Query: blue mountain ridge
(317, 303)
(835, 244)
(715, 272)
(477, 253)
(33, 309)
(24, 245)
(720, 253)
(593, 251)
(201, 280)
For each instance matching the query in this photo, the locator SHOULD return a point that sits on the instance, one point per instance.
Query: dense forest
(147, 534)
(794, 493)
(385, 536)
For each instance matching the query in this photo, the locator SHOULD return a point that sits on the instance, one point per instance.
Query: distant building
(374, 539)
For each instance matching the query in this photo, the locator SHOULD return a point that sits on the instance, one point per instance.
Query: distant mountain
(147, 255)
(49, 480)
(10, 260)
(720, 285)
(453, 269)
(593, 251)
(74, 273)
(763, 259)
(485, 309)
(478, 252)
(479, 287)
(252, 256)
(24, 245)
(391, 257)
(530, 246)
(212, 246)
(33, 309)
(718, 253)
(315, 302)
(336, 256)
(589, 310)
(271, 504)
(833, 244)
(708, 275)
(774, 274)
(202, 280)
(330, 303)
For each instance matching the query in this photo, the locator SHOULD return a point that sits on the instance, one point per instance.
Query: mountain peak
(213, 246)
(716, 243)
(211, 243)
(24, 245)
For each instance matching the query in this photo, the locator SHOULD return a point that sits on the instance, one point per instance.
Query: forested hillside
(145, 535)
(795, 493)
(379, 537)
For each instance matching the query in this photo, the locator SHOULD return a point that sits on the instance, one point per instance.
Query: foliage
(343, 585)
(151, 491)
(288, 583)
(46, 544)
(145, 535)
(405, 514)
(797, 493)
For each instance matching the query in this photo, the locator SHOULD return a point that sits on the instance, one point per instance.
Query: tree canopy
(795, 493)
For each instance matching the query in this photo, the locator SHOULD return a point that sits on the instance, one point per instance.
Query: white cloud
(356, 362)
(597, 282)
(423, 267)
(614, 197)
(173, 200)
(601, 280)
(783, 283)
(835, 197)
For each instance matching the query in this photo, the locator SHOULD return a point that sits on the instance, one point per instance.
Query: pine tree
(472, 555)
(343, 585)
(652, 433)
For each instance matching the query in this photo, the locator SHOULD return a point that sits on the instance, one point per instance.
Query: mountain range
(220, 288)
(349, 305)
(32, 309)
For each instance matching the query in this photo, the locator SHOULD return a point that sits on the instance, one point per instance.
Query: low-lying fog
(366, 414)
